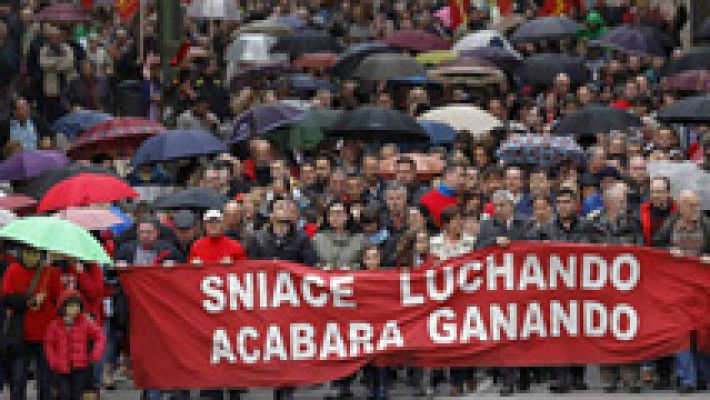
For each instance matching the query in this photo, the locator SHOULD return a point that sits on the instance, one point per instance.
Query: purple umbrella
(691, 80)
(31, 163)
(636, 39)
(263, 119)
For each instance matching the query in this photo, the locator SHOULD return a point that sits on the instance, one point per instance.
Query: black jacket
(492, 229)
(626, 231)
(297, 247)
(165, 250)
(578, 232)
(664, 235)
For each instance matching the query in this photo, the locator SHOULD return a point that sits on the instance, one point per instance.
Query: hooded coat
(67, 345)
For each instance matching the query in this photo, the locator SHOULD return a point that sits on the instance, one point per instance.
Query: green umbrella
(56, 235)
(305, 133)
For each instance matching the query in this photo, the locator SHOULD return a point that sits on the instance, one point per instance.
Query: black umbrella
(703, 32)
(542, 69)
(545, 28)
(637, 39)
(193, 198)
(502, 58)
(386, 66)
(596, 118)
(306, 41)
(693, 60)
(348, 62)
(378, 124)
(38, 186)
(691, 110)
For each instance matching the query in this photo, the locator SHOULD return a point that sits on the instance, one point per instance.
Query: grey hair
(615, 190)
(506, 195)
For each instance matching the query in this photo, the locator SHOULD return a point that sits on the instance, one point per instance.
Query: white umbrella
(464, 118)
(250, 47)
(226, 10)
(6, 216)
(684, 175)
(483, 38)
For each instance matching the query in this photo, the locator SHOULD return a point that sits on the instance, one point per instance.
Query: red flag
(559, 7)
(87, 4)
(127, 8)
(505, 7)
(459, 13)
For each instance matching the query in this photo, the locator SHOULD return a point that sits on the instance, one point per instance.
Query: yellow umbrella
(436, 56)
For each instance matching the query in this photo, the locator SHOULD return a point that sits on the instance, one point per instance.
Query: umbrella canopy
(224, 10)
(92, 219)
(703, 31)
(250, 47)
(306, 41)
(444, 15)
(77, 122)
(58, 236)
(307, 83)
(193, 198)
(684, 175)
(463, 118)
(316, 60)
(30, 163)
(174, 145)
(483, 38)
(692, 60)
(469, 76)
(83, 190)
(292, 21)
(16, 202)
(350, 59)
(385, 66)
(6, 216)
(542, 69)
(694, 80)
(38, 186)
(469, 62)
(62, 13)
(635, 39)
(378, 124)
(596, 118)
(117, 137)
(545, 28)
(436, 57)
(691, 110)
(506, 23)
(262, 119)
(307, 132)
(438, 132)
(544, 150)
(504, 59)
(271, 27)
(416, 40)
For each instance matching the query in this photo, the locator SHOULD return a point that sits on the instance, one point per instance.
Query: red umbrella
(697, 80)
(83, 190)
(63, 12)
(16, 202)
(417, 40)
(116, 138)
(316, 60)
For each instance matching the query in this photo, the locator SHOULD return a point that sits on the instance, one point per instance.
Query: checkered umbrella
(117, 138)
(543, 150)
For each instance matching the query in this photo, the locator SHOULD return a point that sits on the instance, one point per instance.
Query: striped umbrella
(117, 138)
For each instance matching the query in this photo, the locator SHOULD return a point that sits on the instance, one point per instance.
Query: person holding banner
(336, 247)
(215, 247)
(687, 233)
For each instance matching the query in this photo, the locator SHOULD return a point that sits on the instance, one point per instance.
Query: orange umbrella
(83, 190)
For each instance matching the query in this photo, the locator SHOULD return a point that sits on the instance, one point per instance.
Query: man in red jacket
(30, 291)
(654, 213)
(447, 194)
(215, 247)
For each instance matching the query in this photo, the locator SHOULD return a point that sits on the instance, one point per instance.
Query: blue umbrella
(545, 28)
(439, 132)
(173, 145)
(350, 59)
(306, 83)
(77, 122)
(262, 119)
(291, 21)
(635, 39)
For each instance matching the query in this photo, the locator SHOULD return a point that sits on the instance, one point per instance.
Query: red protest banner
(272, 323)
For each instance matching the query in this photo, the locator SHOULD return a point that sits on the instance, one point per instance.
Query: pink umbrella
(416, 40)
(90, 218)
(444, 15)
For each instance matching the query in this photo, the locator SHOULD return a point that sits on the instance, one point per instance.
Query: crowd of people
(333, 206)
